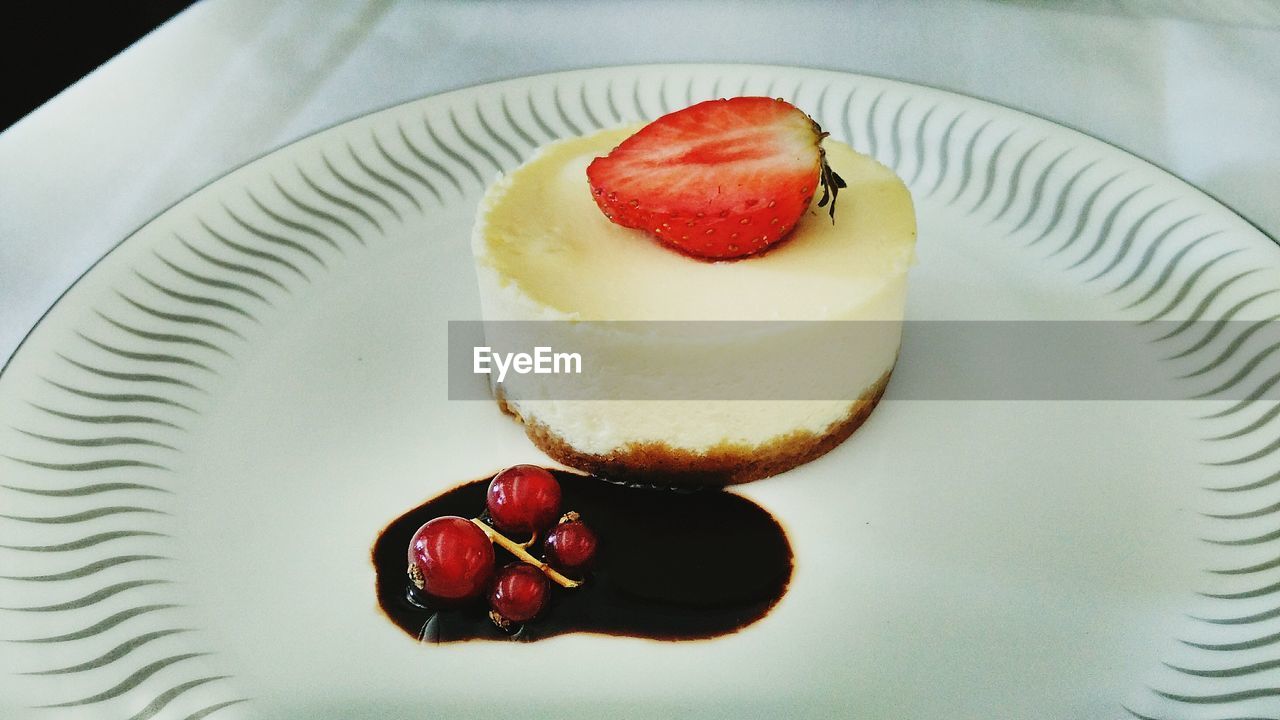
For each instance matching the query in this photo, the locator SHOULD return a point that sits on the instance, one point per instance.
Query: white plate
(206, 433)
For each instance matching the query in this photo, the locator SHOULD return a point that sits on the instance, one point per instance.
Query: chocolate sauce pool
(670, 566)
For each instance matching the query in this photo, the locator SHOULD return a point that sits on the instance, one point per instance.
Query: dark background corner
(48, 46)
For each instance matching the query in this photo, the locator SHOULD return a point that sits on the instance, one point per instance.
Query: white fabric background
(1192, 86)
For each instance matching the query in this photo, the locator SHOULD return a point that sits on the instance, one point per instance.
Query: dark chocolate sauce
(670, 566)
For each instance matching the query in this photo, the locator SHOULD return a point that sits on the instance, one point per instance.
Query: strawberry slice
(717, 180)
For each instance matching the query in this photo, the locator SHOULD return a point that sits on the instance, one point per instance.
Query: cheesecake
(698, 407)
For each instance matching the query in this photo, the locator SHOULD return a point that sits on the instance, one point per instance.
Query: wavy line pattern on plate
(1126, 229)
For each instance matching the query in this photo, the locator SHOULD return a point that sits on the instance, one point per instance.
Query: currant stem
(518, 550)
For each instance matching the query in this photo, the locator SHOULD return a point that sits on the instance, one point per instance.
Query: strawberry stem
(831, 183)
(518, 550)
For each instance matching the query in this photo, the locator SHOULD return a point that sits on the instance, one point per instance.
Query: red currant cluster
(451, 558)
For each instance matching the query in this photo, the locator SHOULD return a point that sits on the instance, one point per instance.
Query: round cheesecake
(687, 378)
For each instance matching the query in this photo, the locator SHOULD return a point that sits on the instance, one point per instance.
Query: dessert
(626, 560)
(518, 594)
(522, 499)
(571, 545)
(546, 250)
(451, 558)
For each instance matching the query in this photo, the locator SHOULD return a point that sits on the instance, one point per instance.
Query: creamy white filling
(544, 251)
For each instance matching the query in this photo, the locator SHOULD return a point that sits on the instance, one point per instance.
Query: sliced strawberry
(720, 179)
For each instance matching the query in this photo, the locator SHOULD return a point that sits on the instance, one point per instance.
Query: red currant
(518, 594)
(450, 558)
(524, 499)
(570, 546)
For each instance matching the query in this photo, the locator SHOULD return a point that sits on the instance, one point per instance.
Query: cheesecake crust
(657, 463)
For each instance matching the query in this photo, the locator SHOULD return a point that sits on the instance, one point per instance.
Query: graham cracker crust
(656, 463)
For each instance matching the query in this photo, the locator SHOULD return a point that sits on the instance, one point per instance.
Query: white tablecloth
(1192, 86)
